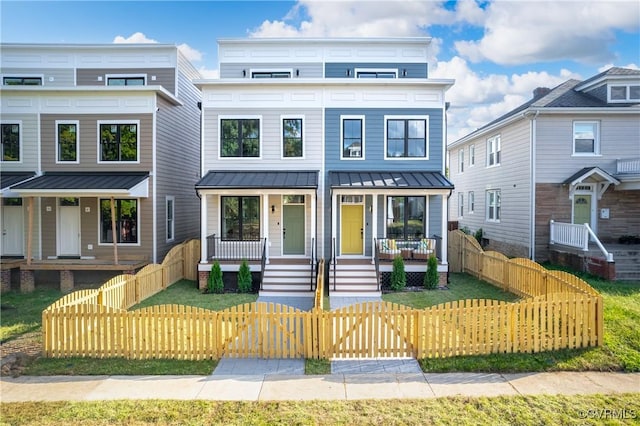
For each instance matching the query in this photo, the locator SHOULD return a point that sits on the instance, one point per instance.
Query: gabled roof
(79, 184)
(596, 173)
(389, 180)
(613, 72)
(236, 179)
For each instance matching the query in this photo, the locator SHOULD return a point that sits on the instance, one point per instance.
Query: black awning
(134, 184)
(388, 180)
(259, 179)
(8, 179)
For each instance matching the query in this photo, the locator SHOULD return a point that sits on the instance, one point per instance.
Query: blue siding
(339, 69)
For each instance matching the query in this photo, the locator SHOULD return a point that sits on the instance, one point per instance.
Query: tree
(398, 276)
(245, 280)
(431, 278)
(215, 283)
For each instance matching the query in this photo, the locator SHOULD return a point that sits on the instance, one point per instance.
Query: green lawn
(22, 313)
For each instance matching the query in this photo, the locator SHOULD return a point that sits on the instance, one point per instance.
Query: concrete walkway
(339, 386)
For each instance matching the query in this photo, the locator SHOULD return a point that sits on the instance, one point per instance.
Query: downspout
(154, 181)
(532, 191)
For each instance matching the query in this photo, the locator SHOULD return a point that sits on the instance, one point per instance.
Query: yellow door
(351, 229)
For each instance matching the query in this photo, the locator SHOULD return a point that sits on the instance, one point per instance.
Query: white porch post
(265, 223)
(203, 228)
(374, 225)
(445, 236)
(334, 220)
(314, 212)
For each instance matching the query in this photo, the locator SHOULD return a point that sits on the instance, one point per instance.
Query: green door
(582, 209)
(293, 229)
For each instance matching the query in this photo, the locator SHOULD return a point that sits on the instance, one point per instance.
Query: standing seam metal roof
(389, 180)
(258, 179)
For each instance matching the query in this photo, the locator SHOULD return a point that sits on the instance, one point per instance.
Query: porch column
(314, 212)
(114, 231)
(445, 232)
(265, 223)
(30, 231)
(334, 220)
(374, 225)
(203, 228)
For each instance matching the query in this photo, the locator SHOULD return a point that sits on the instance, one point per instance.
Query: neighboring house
(320, 148)
(570, 155)
(94, 130)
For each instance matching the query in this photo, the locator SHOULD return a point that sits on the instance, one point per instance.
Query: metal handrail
(313, 263)
(607, 255)
(376, 251)
(334, 261)
(263, 261)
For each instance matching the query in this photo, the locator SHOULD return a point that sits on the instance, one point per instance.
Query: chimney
(539, 92)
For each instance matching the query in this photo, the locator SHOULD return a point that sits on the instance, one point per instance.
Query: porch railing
(575, 235)
(221, 249)
(630, 165)
(263, 262)
(313, 265)
(376, 260)
(333, 261)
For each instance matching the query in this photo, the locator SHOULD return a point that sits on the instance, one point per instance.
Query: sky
(496, 51)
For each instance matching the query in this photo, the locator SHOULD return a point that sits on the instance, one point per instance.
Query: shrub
(215, 284)
(431, 278)
(244, 278)
(398, 276)
(465, 230)
(478, 236)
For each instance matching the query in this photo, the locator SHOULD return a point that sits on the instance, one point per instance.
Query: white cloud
(521, 32)
(190, 53)
(209, 73)
(134, 38)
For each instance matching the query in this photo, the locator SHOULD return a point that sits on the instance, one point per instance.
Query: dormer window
(22, 81)
(137, 80)
(271, 74)
(624, 93)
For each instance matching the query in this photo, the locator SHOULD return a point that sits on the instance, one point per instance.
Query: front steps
(355, 278)
(287, 279)
(627, 263)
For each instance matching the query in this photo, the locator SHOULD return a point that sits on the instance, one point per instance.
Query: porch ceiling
(86, 184)
(388, 180)
(226, 179)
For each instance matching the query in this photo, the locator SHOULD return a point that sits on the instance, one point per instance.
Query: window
(493, 205)
(170, 201)
(472, 155)
(406, 138)
(293, 199)
(126, 218)
(405, 217)
(376, 73)
(11, 201)
(271, 74)
(493, 151)
(292, 137)
(22, 81)
(352, 135)
(10, 142)
(126, 81)
(119, 141)
(240, 137)
(472, 202)
(67, 141)
(624, 93)
(461, 160)
(240, 218)
(461, 204)
(585, 138)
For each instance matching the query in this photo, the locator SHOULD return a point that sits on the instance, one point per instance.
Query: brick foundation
(442, 279)
(5, 277)
(203, 279)
(66, 281)
(27, 281)
(595, 266)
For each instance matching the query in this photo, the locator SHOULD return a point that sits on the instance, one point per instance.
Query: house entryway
(582, 209)
(69, 227)
(12, 227)
(351, 229)
(293, 229)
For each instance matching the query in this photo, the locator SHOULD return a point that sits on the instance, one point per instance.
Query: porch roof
(86, 184)
(8, 179)
(227, 179)
(388, 180)
(593, 173)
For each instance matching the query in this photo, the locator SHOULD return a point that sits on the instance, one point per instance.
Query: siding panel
(165, 77)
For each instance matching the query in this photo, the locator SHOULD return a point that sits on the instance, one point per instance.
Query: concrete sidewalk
(339, 386)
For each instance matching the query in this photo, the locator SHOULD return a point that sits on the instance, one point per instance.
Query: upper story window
(586, 139)
(352, 136)
(493, 151)
(406, 138)
(461, 204)
(67, 141)
(136, 80)
(624, 93)
(170, 204)
(10, 141)
(461, 160)
(119, 141)
(374, 73)
(472, 155)
(240, 137)
(493, 205)
(22, 81)
(292, 146)
(270, 74)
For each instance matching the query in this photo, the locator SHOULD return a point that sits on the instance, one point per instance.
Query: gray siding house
(105, 151)
(560, 171)
(321, 148)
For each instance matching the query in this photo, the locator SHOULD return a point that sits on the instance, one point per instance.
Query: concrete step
(286, 280)
(286, 287)
(279, 293)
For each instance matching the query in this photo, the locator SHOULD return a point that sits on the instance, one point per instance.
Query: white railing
(576, 235)
(631, 165)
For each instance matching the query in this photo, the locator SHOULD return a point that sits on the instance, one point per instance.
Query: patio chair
(425, 249)
(388, 249)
